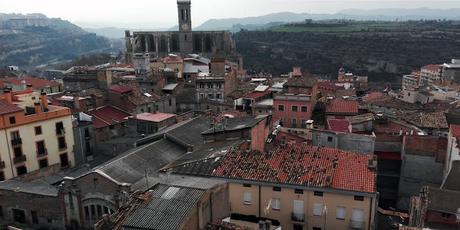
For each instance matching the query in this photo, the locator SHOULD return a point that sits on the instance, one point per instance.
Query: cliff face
(32, 40)
(384, 53)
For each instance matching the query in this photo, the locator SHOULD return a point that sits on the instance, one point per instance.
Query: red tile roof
(154, 117)
(301, 164)
(121, 88)
(6, 107)
(36, 83)
(106, 116)
(338, 125)
(432, 67)
(372, 96)
(455, 131)
(256, 95)
(339, 106)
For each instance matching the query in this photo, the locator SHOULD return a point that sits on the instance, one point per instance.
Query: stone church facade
(184, 41)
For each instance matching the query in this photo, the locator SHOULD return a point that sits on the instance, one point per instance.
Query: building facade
(184, 41)
(34, 137)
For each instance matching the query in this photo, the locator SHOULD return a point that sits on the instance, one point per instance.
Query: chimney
(268, 225)
(76, 102)
(44, 101)
(261, 225)
(29, 86)
(37, 107)
(8, 96)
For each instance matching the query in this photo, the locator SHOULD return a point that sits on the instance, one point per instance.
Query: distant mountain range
(351, 14)
(274, 19)
(34, 40)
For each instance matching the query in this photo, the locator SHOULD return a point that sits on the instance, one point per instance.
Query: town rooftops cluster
(301, 165)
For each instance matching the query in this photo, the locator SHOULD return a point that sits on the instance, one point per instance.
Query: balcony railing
(19, 159)
(356, 224)
(60, 131)
(16, 141)
(42, 152)
(297, 217)
(2, 164)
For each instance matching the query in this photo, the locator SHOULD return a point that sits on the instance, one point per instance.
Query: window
(276, 204)
(357, 216)
(59, 128)
(329, 139)
(61, 143)
(99, 211)
(297, 227)
(317, 209)
(303, 109)
(294, 108)
(218, 96)
(277, 189)
(34, 216)
(1, 211)
(64, 160)
(318, 193)
(201, 86)
(340, 213)
(12, 120)
(93, 212)
(15, 135)
(21, 170)
(106, 210)
(294, 123)
(170, 102)
(247, 197)
(19, 215)
(359, 198)
(247, 185)
(38, 130)
(17, 152)
(211, 96)
(41, 150)
(86, 213)
(298, 191)
(43, 163)
(316, 228)
(2, 176)
(280, 107)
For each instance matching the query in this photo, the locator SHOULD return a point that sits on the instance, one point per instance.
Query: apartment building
(295, 104)
(33, 136)
(296, 186)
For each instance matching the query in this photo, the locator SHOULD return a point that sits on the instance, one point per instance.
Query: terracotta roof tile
(338, 125)
(342, 107)
(37, 83)
(106, 116)
(6, 107)
(121, 88)
(301, 164)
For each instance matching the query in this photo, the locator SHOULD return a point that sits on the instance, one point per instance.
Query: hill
(349, 14)
(382, 50)
(32, 40)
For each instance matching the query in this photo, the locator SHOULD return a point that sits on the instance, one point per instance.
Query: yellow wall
(287, 197)
(29, 139)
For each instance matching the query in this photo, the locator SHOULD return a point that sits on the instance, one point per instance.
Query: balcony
(356, 224)
(2, 164)
(42, 152)
(297, 217)
(16, 141)
(20, 159)
(60, 132)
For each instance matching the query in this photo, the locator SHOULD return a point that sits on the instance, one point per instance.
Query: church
(184, 41)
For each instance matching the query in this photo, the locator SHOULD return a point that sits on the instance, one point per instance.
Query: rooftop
(342, 107)
(237, 123)
(302, 81)
(121, 89)
(436, 120)
(361, 118)
(301, 164)
(106, 116)
(37, 83)
(443, 200)
(6, 108)
(154, 117)
(338, 125)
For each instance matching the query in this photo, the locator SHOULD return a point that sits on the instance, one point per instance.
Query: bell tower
(185, 17)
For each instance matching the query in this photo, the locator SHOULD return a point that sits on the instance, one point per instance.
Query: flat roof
(154, 117)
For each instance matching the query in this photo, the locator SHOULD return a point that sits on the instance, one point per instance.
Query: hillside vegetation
(383, 50)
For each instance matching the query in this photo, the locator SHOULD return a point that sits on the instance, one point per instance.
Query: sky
(154, 14)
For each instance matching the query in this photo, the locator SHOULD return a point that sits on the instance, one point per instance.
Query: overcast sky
(162, 13)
